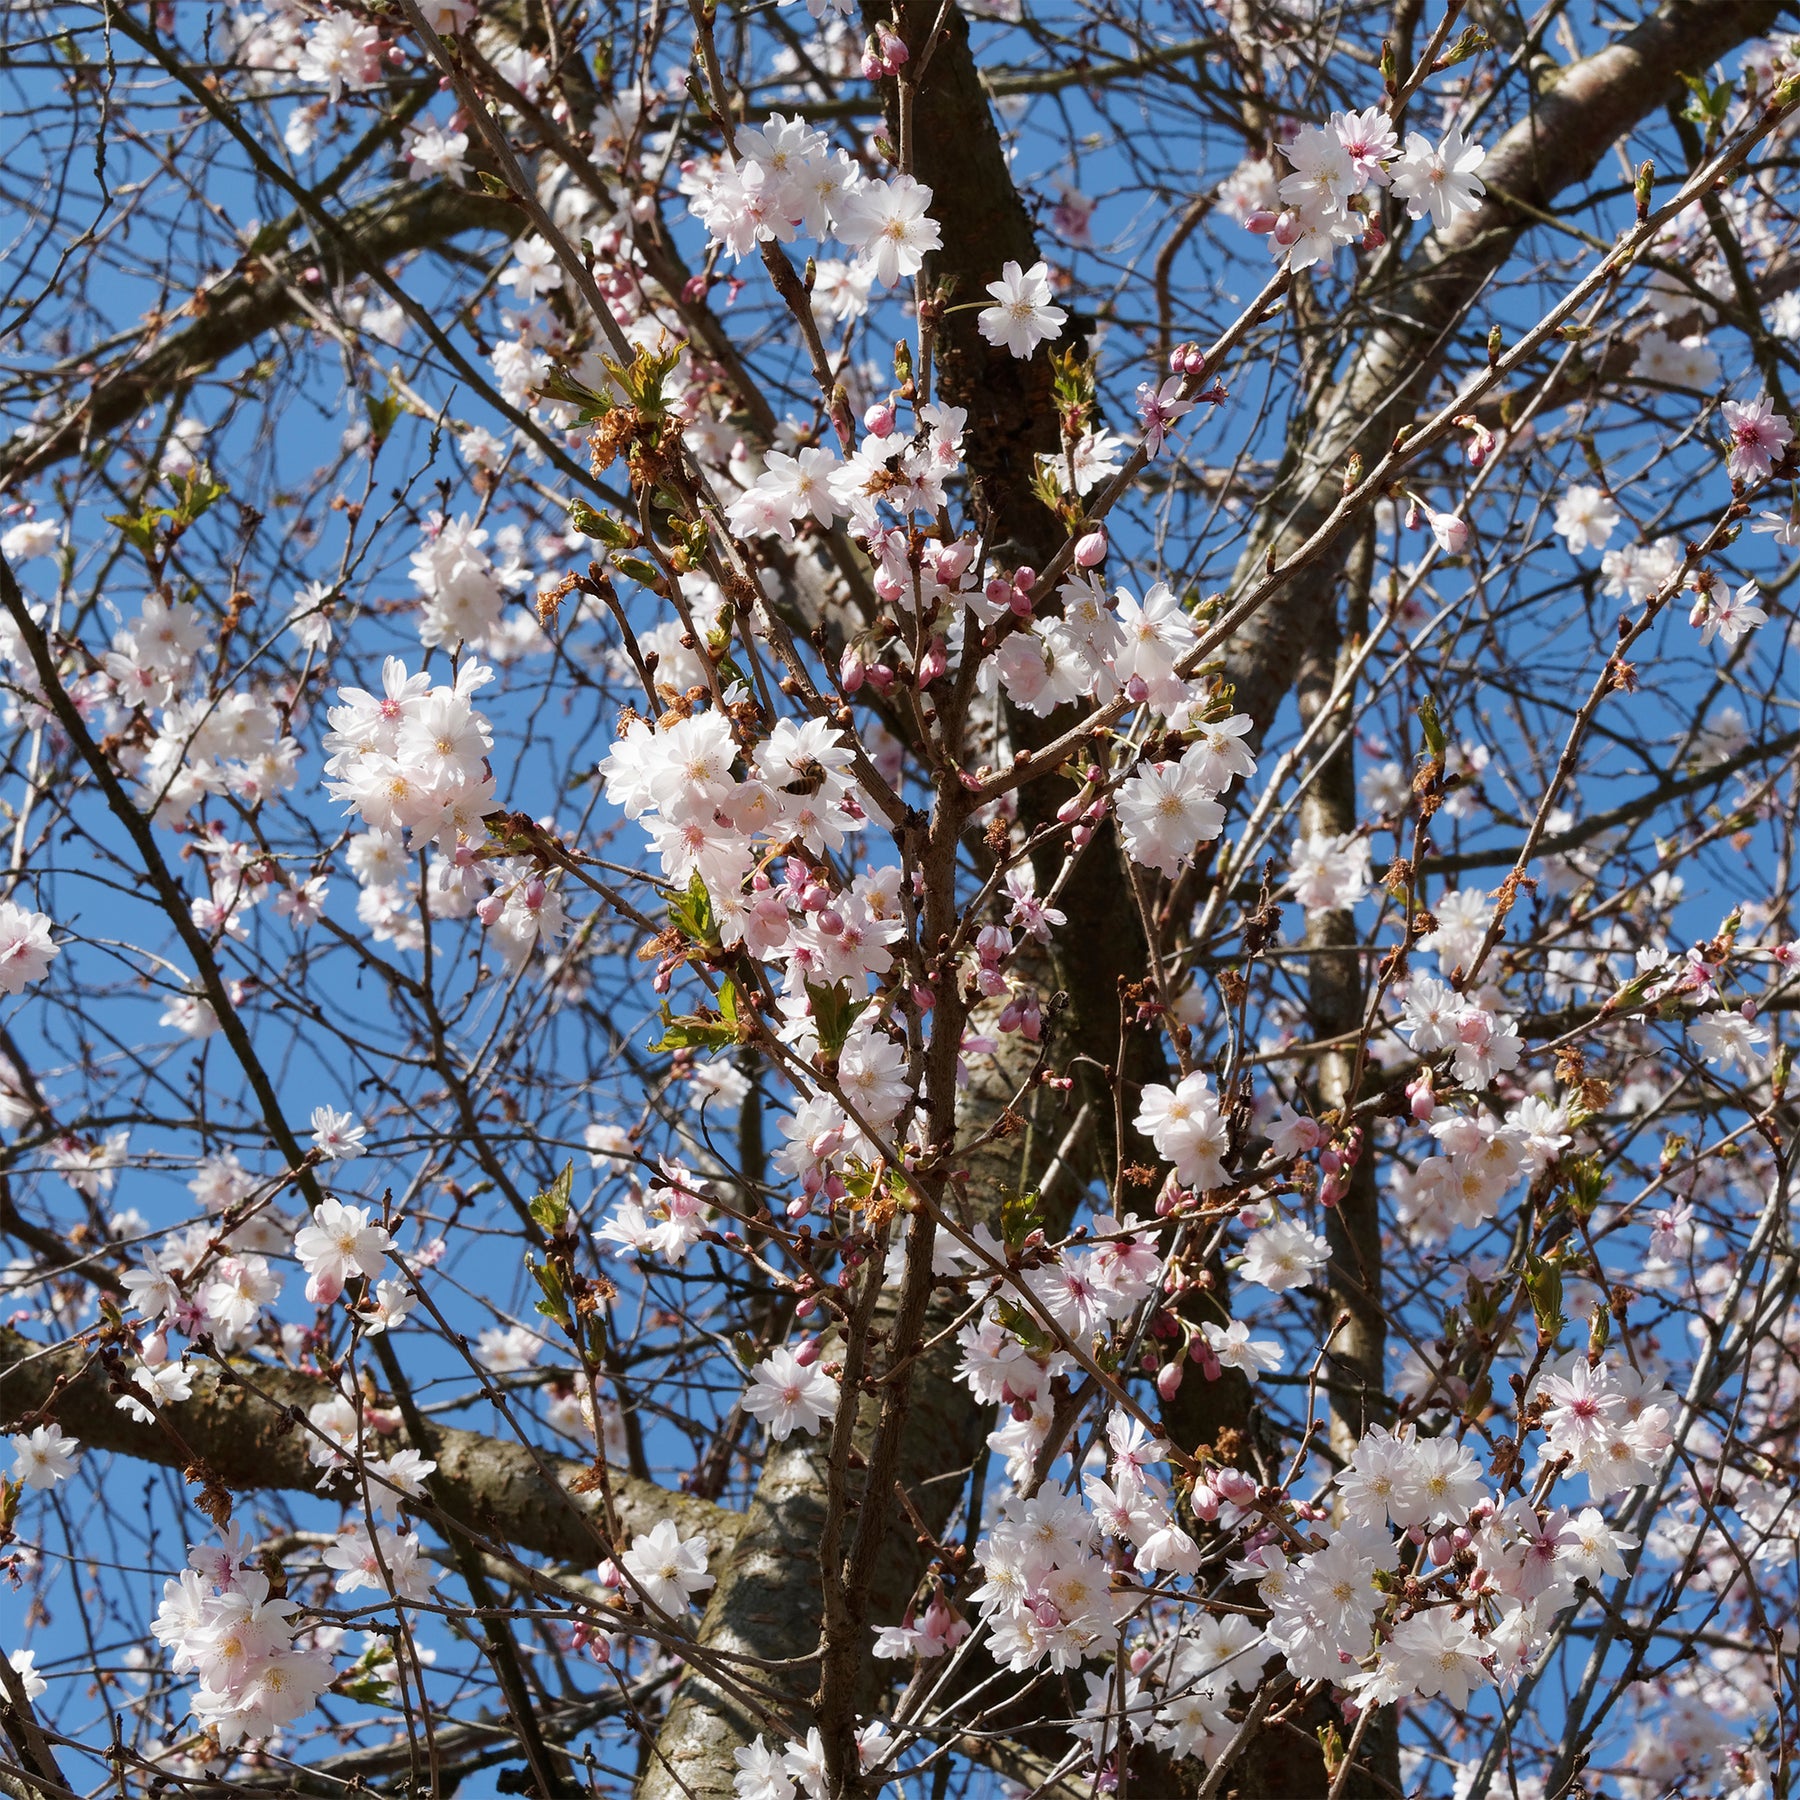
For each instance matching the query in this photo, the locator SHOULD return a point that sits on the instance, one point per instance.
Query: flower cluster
(786, 178)
(1326, 200)
(218, 1620)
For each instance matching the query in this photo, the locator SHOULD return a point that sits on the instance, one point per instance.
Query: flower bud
(953, 561)
(1261, 221)
(489, 909)
(154, 1348)
(806, 1352)
(323, 1289)
(1090, 548)
(1234, 1485)
(1168, 1379)
(879, 418)
(1420, 1097)
(851, 669)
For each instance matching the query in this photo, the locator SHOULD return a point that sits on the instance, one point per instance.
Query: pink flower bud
(1287, 230)
(830, 922)
(154, 1348)
(1137, 690)
(693, 290)
(893, 48)
(323, 1289)
(879, 418)
(1020, 603)
(889, 586)
(1090, 548)
(489, 909)
(851, 669)
(880, 677)
(937, 660)
(1193, 360)
(1081, 836)
(806, 1352)
(1024, 578)
(1261, 221)
(611, 1576)
(1168, 1379)
(798, 1208)
(1140, 1659)
(816, 897)
(1234, 1485)
(1422, 1100)
(953, 561)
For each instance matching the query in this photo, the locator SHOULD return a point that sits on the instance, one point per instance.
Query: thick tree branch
(243, 1429)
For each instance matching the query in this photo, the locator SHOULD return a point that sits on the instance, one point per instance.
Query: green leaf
(554, 1304)
(198, 492)
(834, 1012)
(1022, 1325)
(551, 1207)
(639, 569)
(1433, 729)
(601, 526)
(1019, 1217)
(559, 384)
(1543, 1283)
(1470, 43)
(692, 913)
(383, 411)
(141, 529)
(692, 1031)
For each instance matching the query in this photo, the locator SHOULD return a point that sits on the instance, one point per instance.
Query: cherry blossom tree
(899, 902)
